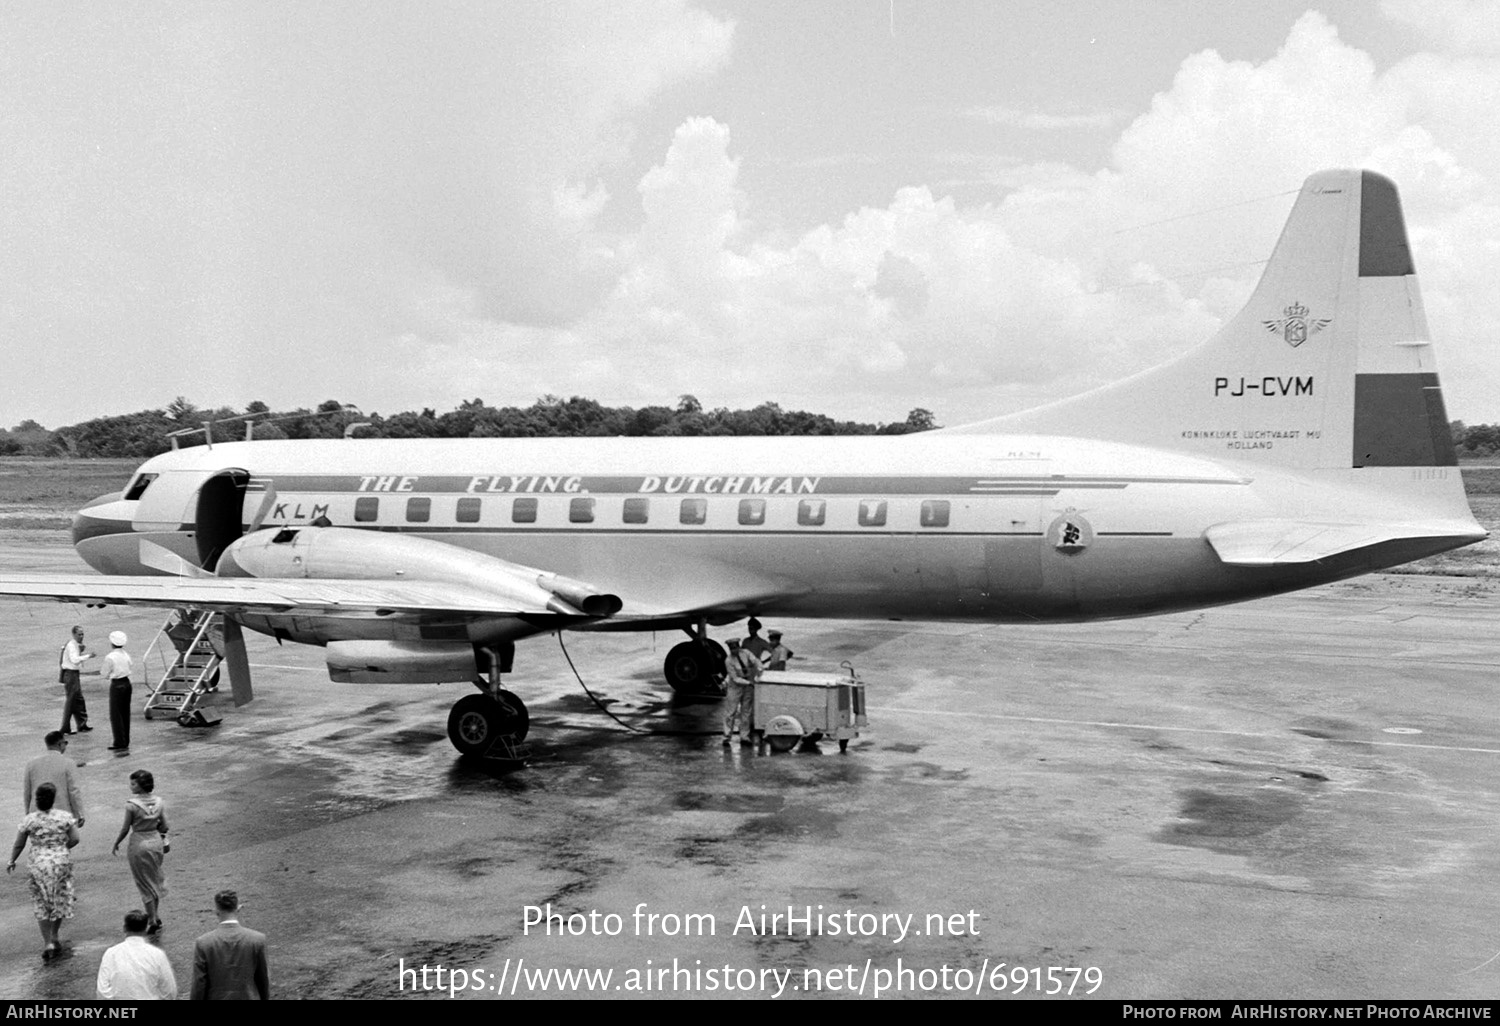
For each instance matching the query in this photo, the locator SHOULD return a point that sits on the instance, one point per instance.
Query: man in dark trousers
(70, 665)
(229, 962)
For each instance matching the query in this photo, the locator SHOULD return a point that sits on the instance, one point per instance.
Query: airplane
(1306, 442)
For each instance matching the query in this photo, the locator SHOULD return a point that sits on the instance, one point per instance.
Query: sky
(855, 207)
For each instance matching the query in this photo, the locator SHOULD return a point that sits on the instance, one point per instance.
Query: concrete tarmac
(1291, 798)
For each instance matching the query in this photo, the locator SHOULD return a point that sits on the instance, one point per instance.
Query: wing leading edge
(277, 596)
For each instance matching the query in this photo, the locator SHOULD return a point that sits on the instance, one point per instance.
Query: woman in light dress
(146, 826)
(52, 833)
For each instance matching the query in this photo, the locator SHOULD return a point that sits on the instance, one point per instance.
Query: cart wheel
(148, 714)
(843, 744)
(782, 743)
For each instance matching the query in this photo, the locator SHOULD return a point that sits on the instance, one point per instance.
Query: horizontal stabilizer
(1289, 542)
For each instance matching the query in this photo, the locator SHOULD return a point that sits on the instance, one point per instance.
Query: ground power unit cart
(795, 706)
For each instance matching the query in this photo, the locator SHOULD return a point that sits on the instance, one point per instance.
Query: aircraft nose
(100, 516)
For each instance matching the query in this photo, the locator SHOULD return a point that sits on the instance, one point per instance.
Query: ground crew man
(743, 671)
(756, 645)
(779, 654)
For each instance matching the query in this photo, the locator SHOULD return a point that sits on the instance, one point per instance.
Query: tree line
(1476, 440)
(149, 432)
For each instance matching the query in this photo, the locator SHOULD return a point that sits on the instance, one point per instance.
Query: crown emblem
(1296, 327)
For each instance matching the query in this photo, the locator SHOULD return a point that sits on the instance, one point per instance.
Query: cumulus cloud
(1072, 279)
(226, 192)
(439, 205)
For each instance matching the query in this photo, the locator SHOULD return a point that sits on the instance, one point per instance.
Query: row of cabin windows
(752, 512)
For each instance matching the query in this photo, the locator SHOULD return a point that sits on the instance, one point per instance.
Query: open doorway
(219, 521)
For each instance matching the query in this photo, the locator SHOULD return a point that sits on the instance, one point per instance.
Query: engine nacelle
(400, 662)
(351, 554)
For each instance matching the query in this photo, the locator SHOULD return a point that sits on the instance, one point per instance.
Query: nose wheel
(478, 723)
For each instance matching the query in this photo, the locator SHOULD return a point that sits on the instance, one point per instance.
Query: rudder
(1329, 364)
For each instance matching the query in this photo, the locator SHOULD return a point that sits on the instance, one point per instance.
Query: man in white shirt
(135, 969)
(74, 654)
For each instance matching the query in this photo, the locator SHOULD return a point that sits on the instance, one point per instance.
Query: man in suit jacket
(57, 769)
(229, 962)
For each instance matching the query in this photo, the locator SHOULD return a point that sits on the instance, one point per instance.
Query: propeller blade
(159, 557)
(267, 500)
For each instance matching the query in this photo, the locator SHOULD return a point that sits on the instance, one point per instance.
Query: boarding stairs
(186, 654)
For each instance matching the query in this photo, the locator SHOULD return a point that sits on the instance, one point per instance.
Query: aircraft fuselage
(963, 528)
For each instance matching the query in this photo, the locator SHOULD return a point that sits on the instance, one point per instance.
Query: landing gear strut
(494, 722)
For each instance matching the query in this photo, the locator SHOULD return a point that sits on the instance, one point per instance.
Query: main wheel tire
(517, 722)
(692, 669)
(478, 721)
(782, 743)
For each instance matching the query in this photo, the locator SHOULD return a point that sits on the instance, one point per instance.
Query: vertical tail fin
(1328, 366)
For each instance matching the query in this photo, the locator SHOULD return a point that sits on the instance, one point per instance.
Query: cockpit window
(138, 487)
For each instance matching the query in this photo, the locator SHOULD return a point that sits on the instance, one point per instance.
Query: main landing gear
(695, 667)
(494, 723)
(480, 723)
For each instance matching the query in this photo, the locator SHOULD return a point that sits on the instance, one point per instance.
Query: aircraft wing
(1284, 542)
(274, 596)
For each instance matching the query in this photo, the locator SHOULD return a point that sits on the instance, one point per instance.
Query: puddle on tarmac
(1208, 816)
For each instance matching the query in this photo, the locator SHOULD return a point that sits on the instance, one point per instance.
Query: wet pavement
(1295, 798)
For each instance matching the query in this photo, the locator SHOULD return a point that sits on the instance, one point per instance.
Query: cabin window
(418, 511)
(637, 510)
(812, 512)
(581, 511)
(752, 511)
(934, 512)
(366, 509)
(523, 512)
(871, 512)
(139, 485)
(468, 510)
(694, 511)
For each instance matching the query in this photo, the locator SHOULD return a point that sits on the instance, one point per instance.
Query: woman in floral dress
(52, 832)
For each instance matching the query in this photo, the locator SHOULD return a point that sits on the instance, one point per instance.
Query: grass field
(42, 494)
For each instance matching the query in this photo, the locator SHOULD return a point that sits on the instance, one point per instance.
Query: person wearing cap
(779, 654)
(229, 963)
(116, 669)
(743, 671)
(756, 645)
(70, 665)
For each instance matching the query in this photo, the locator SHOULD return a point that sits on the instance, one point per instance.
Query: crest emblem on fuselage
(1296, 327)
(1070, 532)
